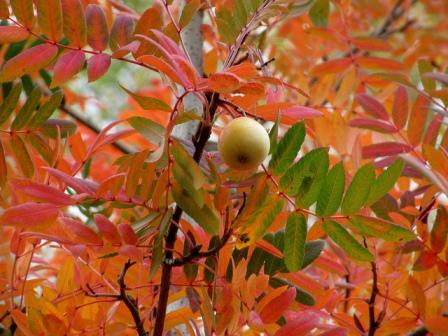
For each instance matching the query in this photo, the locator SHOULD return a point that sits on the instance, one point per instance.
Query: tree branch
(373, 323)
(130, 302)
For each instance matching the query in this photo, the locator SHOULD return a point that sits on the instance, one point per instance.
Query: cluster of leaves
(343, 231)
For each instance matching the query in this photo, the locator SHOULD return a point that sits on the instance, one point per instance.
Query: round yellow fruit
(243, 144)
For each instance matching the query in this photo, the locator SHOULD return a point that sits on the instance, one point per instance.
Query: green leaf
(330, 195)
(40, 144)
(10, 103)
(295, 237)
(148, 103)
(346, 241)
(381, 228)
(359, 189)
(287, 149)
(204, 216)
(319, 13)
(184, 179)
(51, 127)
(152, 131)
(22, 155)
(27, 109)
(302, 296)
(273, 135)
(313, 164)
(156, 256)
(385, 182)
(313, 249)
(190, 166)
(46, 110)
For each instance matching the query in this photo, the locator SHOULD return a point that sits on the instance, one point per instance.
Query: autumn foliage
(341, 231)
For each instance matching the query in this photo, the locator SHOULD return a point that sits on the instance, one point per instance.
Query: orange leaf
(81, 231)
(439, 232)
(41, 55)
(111, 186)
(49, 16)
(277, 306)
(224, 82)
(417, 296)
(3, 167)
(67, 66)
(75, 27)
(371, 44)
(24, 12)
(29, 214)
(425, 261)
(417, 120)
(244, 70)
(437, 325)
(269, 248)
(332, 66)
(379, 63)
(160, 65)
(12, 34)
(77, 147)
(22, 322)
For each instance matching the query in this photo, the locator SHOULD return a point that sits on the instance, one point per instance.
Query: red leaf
(224, 82)
(439, 232)
(20, 65)
(425, 261)
(97, 30)
(121, 31)
(30, 214)
(42, 192)
(82, 231)
(277, 306)
(332, 66)
(373, 124)
(244, 70)
(301, 112)
(79, 185)
(301, 325)
(97, 66)
(127, 234)
(161, 66)
(385, 149)
(400, 109)
(67, 66)
(372, 106)
(11, 34)
(131, 251)
(338, 331)
(107, 228)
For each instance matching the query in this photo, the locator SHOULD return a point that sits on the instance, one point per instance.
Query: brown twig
(130, 302)
(373, 323)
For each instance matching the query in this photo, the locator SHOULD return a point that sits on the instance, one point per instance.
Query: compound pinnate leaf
(67, 66)
(97, 30)
(74, 22)
(380, 228)
(295, 237)
(29, 214)
(287, 149)
(330, 196)
(12, 34)
(346, 241)
(385, 181)
(359, 189)
(97, 66)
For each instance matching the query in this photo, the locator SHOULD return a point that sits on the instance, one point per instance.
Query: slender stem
(373, 323)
